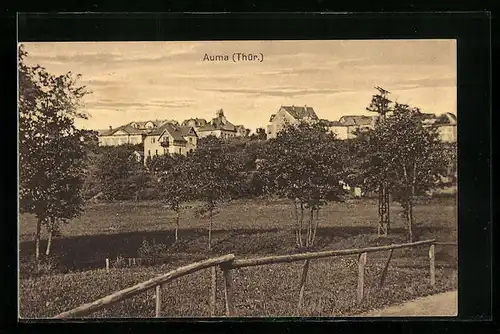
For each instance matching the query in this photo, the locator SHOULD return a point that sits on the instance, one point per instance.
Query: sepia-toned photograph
(213, 179)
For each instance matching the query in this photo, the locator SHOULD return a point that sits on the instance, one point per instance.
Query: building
(170, 139)
(131, 133)
(445, 124)
(241, 131)
(219, 127)
(288, 115)
(347, 126)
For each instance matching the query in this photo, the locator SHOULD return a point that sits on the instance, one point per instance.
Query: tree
(175, 187)
(260, 134)
(381, 105)
(51, 150)
(414, 155)
(213, 177)
(119, 175)
(305, 164)
(159, 163)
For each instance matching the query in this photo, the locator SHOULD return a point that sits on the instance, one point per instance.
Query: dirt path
(443, 304)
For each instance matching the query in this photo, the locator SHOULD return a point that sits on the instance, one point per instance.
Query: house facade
(289, 115)
(347, 126)
(219, 127)
(170, 139)
(131, 133)
(445, 124)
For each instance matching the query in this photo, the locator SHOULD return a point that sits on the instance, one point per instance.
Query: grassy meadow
(247, 228)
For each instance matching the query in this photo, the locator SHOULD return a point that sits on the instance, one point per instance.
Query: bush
(151, 249)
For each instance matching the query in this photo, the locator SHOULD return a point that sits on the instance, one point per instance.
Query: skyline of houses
(161, 137)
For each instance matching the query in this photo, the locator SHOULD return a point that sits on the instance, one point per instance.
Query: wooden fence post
(384, 271)
(361, 276)
(302, 285)
(107, 265)
(228, 290)
(158, 301)
(213, 291)
(432, 264)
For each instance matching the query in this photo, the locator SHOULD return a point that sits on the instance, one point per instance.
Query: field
(247, 228)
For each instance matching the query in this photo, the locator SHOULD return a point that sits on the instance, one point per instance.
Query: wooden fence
(227, 263)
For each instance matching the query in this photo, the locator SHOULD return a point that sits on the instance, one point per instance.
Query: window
(153, 140)
(149, 152)
(180, 151)
(156, 152)
(190, 140)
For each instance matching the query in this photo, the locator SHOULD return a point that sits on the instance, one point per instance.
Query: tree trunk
(296, 217)
(210, 232)
(388, 210)
(409, 221)
(410, 202)
(177, 225)
(301, 223)
(315, 227)
(407, 200)
(37, 242)
(310, 227)
(49, 243)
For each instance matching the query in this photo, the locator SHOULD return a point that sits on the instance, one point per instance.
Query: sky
(139, 81)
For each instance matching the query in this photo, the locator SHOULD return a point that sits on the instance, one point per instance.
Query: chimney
(110, 127)
(293, 107)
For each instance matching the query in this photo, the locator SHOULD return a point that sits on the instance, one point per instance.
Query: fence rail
(156, 282)
(227, 263)
(317, 255)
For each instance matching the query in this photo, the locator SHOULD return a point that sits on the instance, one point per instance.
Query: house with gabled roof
(219, 127)
(445, 124)
(288, 115)
(347, 126)
(125, 134)
(130, 133)
(170, 139)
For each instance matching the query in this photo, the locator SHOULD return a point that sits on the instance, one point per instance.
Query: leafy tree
(176, 187)
(213, 178)
(51, 150)
(120, 176)
(160, 163)
(305, 164)
(414, 156)
(260, 134)
(381, 105)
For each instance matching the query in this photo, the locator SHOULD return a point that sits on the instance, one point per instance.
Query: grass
(248, 229)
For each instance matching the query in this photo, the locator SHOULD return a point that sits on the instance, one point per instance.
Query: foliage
(214, 176)
(409, 154)
(51, 150)
(151, 250)
(174, 183)
(304, 164)
(160, 163)
(379, 179)
(120, 176)
(260, 134)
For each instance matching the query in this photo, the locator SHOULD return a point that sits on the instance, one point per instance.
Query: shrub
(151, 249)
